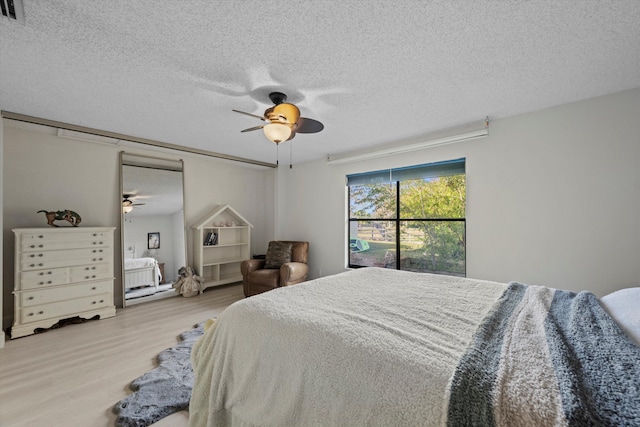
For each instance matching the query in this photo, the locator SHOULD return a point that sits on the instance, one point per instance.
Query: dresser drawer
(53, 241)
(35, 279)
(60, 293)
(90, 272)
(72, 257)
(42, 278)
(69, 308)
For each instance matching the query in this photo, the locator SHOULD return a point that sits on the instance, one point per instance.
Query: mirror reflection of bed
(143, 276)
(153, 228)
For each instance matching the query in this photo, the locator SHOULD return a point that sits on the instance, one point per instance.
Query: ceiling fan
(283, 120)
(127, 203)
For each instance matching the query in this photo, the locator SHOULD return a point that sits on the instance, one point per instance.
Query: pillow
(277, 254)
(624, 307)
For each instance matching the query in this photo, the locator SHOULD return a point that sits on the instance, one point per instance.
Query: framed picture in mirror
(154, 240)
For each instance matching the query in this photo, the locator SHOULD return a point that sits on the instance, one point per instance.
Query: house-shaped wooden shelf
(221, 242)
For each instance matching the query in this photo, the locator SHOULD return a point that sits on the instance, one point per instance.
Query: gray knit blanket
(546, 357)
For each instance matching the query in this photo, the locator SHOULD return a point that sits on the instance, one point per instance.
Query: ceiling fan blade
(250, 115)
(253, 128)
(307, 125)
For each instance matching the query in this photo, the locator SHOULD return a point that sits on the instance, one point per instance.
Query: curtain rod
(115, 135)
(387, 150)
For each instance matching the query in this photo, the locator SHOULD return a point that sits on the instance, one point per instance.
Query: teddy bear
(188, 284)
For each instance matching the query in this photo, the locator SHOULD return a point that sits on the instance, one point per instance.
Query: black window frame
(398, 220)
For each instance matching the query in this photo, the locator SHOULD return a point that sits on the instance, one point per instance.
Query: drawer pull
(32, 265)
(41, 246)
(30, 298)
(93, 268)
(30, 314)
(93, 288)
(40, 255)
(32, 246)
(94, 234)
(40, 265)
(40, 236)
(41, 312)
(101, 300)
(49, 272)
(41, 274)
(41, 283)
(93, 302)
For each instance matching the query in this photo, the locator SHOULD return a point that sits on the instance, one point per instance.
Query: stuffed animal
(188, 283)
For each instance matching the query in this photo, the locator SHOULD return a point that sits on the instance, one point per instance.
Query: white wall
(553, 198)
(43, 171)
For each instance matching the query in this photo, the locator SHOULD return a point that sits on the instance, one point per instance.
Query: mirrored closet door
(153, 227)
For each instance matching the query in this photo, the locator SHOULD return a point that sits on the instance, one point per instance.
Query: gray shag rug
(163, 390)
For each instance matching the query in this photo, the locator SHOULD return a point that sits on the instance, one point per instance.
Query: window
(409, 218)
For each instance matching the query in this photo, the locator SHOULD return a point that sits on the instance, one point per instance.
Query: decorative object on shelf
(154, 240)
(188, 284)
(211, 239)
(66, 215)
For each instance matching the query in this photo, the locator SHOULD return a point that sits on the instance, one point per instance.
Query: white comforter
(365, 347)
(133, 263)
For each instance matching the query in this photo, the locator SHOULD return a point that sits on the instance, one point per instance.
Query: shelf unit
(217, 260)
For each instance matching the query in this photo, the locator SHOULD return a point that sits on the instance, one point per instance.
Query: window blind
(424, 171)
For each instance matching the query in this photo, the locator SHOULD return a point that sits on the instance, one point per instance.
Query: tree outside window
(415, 224)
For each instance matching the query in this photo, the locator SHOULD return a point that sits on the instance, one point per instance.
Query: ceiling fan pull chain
(277, 154)
(290, 154)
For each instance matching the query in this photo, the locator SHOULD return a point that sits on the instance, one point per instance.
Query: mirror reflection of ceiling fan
(283, 120)
(128, 204)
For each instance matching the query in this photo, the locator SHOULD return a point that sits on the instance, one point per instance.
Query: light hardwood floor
(73, 376)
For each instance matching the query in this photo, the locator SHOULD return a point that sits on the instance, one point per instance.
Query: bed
(383, 347)
(141, 275)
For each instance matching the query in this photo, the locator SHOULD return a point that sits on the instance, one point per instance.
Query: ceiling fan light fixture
(277, 132)
(286, 113)
(126, 209)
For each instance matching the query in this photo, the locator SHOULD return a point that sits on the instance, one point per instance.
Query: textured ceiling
(373, 72)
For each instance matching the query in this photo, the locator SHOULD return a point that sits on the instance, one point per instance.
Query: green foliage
(443, 242)
(373, 201)
(442, 197)
(426, 245)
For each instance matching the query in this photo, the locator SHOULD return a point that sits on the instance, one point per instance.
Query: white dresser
(61, 273)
